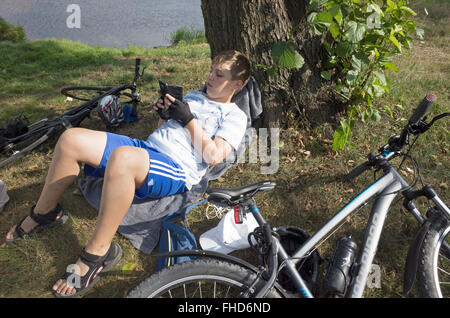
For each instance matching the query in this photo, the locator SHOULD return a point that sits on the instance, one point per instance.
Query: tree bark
(252, 27)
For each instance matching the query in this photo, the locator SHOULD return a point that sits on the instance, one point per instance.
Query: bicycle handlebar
(422, 109)
(358, 170)
(136, 69)
(396, 143)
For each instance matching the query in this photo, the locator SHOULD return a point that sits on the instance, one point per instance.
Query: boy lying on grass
(200, 131)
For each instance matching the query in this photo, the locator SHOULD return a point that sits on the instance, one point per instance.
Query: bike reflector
(238, 217)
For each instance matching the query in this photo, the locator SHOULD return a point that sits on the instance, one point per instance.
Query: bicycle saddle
(234, 196)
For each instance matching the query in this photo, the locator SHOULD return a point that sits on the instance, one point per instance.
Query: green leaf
(355, 31)
(326, 75)
(353, 110)
(314, 4)
(375, 7)
(285, 55)
(128, 268)
(311, 17)
(392, 5)
(344, 49)
(375, 115)
(352, 77)
(394, 40)
(334, 9)
(381, 78)
(389, 111)
(324, 17)
(334, 30)
(342, 134)
(360, 62)
(331, 62)
(319, 28)
(338, 17)
(327, 47)
(390, 66)
(377, 90)
(409, 10)
(365, 115)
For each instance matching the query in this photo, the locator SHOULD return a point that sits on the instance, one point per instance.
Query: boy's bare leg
(126, 171)
(75, 146)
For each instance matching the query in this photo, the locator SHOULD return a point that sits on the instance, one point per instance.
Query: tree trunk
(252, 27)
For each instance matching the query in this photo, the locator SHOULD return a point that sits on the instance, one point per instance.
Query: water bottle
(338, 276)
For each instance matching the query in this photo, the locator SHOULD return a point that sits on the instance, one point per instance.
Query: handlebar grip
(358, 170)
(138, 63)
(423, 108)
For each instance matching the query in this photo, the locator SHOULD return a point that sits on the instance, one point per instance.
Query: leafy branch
(362, 38)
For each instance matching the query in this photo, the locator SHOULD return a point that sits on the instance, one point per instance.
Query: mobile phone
(175, 91)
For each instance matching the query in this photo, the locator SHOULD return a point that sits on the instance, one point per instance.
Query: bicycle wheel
(434, 266)
(203, 278)
(14, 151)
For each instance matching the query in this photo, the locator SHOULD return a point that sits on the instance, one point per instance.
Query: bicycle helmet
(291, 238)
(110, 111)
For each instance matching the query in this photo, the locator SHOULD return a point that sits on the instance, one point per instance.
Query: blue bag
(174, 237)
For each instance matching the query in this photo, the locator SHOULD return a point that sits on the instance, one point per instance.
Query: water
(110, 23)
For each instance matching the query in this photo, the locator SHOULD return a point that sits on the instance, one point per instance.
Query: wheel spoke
(443, 271)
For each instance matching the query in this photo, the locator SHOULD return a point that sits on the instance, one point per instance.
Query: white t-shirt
(225, 120)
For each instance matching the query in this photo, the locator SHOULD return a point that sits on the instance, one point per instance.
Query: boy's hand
(161, 108)
(179, 111)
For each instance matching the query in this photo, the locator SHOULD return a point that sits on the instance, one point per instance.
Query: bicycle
(214, 274)
(34, 134)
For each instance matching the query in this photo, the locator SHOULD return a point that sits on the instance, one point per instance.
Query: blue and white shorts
(165, 176)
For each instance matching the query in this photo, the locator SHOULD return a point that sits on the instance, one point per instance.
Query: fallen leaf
(128, 268)
(308, 206)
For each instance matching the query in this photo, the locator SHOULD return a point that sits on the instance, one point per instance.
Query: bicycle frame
(385, 188)
(383, 191)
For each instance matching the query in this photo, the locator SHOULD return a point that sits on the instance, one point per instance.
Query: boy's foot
(84, 274)
(35, 223)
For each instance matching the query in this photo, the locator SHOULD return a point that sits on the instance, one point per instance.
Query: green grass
(188, 35)
(309, 189)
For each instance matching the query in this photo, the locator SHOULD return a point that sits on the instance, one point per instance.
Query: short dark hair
(240, 65)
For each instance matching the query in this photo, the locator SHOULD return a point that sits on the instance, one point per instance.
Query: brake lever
(438, 117)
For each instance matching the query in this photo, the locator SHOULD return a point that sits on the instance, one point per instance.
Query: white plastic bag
(228, 236)
(4, 198)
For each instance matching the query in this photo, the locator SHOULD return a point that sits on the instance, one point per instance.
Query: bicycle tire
(433, 262)
(17, 150)
(77, 92)
(71, 91)
(198, 278)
